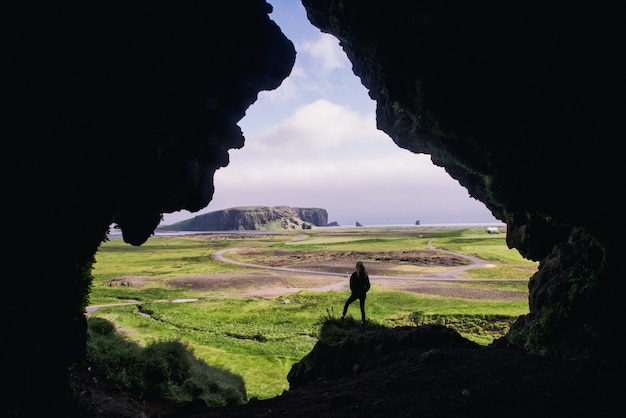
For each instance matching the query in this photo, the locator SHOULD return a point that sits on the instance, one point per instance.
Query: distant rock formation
(358, 223)
(417, 222)
(252, 218)
(333, 223)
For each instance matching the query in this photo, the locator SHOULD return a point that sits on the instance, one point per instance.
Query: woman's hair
(361, 268)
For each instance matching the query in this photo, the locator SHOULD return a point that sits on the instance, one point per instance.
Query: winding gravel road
(448, 275)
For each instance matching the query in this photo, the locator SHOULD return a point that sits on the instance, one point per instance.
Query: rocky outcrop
(314, 216)
(353, 353)
(253, 218)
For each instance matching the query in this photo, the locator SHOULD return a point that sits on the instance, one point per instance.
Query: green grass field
(259, 339)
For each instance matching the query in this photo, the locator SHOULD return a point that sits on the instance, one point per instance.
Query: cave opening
(556, 85)
(313, 142)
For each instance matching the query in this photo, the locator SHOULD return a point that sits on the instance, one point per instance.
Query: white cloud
(325, 53)
(319, 127)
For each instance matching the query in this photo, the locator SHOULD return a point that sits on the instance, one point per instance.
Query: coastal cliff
(251, 218)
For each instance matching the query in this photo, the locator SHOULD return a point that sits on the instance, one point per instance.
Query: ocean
(501, 227)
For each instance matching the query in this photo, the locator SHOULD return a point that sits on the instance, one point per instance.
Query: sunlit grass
(485, 246)
(501, 271)
(167, 257)
(159, 256)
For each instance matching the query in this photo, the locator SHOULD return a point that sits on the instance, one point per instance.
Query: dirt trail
(331, 272)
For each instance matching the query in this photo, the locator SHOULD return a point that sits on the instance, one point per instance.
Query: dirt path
(283, 274)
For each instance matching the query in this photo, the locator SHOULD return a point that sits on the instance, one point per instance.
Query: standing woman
(359, 285)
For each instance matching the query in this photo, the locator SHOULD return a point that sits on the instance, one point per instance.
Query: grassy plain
(260, 339)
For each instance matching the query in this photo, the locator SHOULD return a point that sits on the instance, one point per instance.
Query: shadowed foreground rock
(427, 371)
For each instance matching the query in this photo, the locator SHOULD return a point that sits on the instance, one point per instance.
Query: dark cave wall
(117, 115)
(505, 98)
(521, 104)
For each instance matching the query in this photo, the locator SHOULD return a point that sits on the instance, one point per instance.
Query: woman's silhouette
(359, 285)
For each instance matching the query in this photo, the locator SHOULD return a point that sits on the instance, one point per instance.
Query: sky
(313, 143)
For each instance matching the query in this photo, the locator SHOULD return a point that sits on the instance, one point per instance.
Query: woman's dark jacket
(359, 285)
